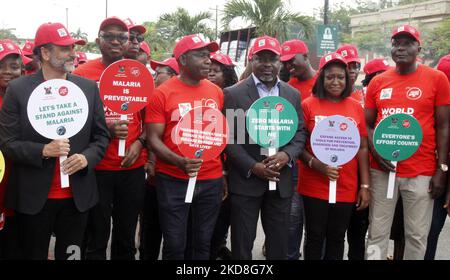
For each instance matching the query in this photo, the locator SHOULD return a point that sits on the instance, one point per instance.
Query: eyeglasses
(109, 37)
(139, 38)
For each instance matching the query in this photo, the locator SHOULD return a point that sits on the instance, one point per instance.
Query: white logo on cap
(272, 43)
(385, 63)
(344, 53)
(328, 57)
(261, 43)
(1, 48)
(400, 29)
(287, 48)
(219, 57)
(62, 32)
(10, 46)
(196, 39)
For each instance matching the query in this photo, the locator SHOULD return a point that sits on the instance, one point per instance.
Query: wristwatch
(443, 167)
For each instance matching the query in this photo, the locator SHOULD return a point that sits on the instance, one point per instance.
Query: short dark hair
(319, 89)
(38, 53)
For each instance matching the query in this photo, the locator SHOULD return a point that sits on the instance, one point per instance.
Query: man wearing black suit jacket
(34, 189)
(249, 171)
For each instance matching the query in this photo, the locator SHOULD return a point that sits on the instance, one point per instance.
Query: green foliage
(270, 17)
(7, 34)
(436, 42)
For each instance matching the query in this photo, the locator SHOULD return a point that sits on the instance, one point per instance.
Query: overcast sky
(26, 15)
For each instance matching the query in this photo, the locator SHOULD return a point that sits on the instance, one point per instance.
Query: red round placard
(126, 86)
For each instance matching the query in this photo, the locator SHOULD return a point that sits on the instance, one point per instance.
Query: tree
(436, 43)
(6, 33)
(180, 23)
(160, 43)
(270, 17)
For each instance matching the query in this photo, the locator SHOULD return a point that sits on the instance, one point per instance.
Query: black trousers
(219, 238)
(121, 197)
(245, 212)
(325, 222)
(151, 235)
(356, 234)
(59, 216)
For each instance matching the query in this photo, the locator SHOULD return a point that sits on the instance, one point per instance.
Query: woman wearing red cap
(222, 71)
(328, 222)
(10, 69)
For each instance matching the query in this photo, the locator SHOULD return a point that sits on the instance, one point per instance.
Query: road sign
(327, 39)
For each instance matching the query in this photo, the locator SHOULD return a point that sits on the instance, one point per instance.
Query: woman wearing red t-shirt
(328, 222)
(11, 68)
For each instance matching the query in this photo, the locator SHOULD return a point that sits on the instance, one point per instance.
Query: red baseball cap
(56, 34)
(376, 65)
(266, 43)
(28, 48)
(349, 53)
(408, 30)
(222, 59)
(130, 25)
(8, 47)
(444, 65)
(170, 62)
(81, 57)
(331, 57)
(113, 21)
(146, 48)
(193, 42)
(291, 48)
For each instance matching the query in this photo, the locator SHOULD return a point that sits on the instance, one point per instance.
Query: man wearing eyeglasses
(120, 179)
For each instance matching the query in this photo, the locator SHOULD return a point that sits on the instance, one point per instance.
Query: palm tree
(79, 35)
(270, 17)
(180, 23)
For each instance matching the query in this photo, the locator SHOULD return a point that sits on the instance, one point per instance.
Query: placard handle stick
(190, 189)
(64, 177)
(122, 141)
(272, 184)
(391, 184)
(332, 192)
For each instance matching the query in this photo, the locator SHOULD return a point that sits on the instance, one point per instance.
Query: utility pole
(217, 21)
(67, 18)
(325, 12)
(106, 8)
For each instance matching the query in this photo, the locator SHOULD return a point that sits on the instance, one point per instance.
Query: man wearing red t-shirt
(294, 55)
(120, 180)
(34, 187)
(170, 101)
(136, 33)
(351, 56)
(425, 94)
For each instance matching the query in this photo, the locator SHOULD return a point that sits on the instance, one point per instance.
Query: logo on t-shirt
(184, 108)
(386, 93)
(414, 93)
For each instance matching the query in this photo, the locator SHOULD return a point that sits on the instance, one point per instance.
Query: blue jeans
(296, 219)
(174, 216)
(437, 223)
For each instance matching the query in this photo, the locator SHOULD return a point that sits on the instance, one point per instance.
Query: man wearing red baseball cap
(32, 65)
(81, 58)
(424, 93)
(294, 55)
(170, 101)
(121, 180)
(34, 189)
(164, 70)
(137, 33)
(10, 68)
(249, 171)
(444, 65)
(145, 54)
